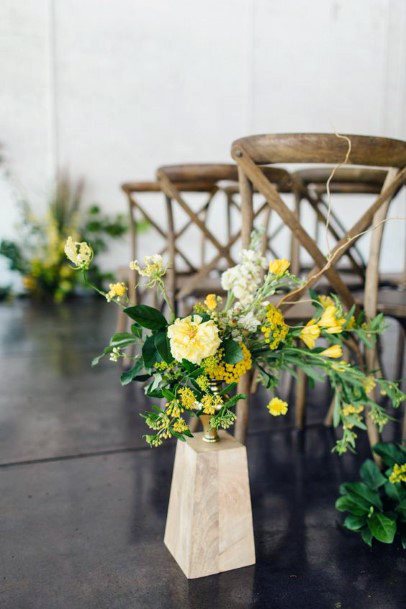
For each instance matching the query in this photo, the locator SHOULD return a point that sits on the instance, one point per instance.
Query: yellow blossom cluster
(398, 474)
(369, 384)
(211, 403)
(203, 382)
(116, 290)
(279, 267)
(211, 302)
(275, 329)
(335, 351)
(277, 407)
(173, 409)
(349, 409)
(216, 369)
(81, 254)
(330, 322)
(180, 426)
(187, 398)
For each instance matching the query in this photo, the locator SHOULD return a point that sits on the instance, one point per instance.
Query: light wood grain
(209, 525)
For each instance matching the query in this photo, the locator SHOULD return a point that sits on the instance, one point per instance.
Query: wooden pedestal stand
(209, 523)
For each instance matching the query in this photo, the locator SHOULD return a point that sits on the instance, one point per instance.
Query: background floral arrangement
(221, 340)
(39, 253)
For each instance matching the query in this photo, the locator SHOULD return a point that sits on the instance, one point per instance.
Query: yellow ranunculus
(279, 267)
(334, 351)
(277, 407)
(211, 302)
(330, 322)
(310, 334)
(193, 340)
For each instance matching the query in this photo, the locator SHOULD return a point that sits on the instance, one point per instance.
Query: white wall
(114, 89)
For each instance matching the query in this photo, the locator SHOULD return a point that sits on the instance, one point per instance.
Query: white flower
(249, 322)
(80, 254)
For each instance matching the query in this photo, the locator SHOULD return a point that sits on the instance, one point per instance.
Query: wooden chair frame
(252, 153)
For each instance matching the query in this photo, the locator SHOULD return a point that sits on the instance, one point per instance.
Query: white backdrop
(112, 89)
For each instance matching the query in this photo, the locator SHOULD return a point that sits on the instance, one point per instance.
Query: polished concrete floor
(83, 501)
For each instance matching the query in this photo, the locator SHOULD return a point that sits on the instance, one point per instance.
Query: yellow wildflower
(369, 384)
(279, 267)
(275, 329)
(203, 382)
(117, 290)
(310, 334)
(330, 322)
(277, 407)
(153, 268)
(211, 403)
(349, 409)
(335, 351)
(187, 398)
(326, 301)
(80, 254)
(211, 301)
(398, 474)
(340, 366)
(173, 409)
(218, 370)
(192, 339)
(180, 426)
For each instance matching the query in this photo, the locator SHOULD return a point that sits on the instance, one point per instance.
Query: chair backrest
(253, 152)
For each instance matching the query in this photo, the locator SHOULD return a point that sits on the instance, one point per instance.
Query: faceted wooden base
(209, 523)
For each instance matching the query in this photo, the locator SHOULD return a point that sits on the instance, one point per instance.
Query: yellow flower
(203, 382)
(369, 384)
(310, 334)
(173, 409)
(334, 351)
(153, 268)
(326, 301)
(211, 403)
(277, 407)
(187, 398)
(180, 426)
(275, 329)
(218, 370)
(279, 267)
(351, 409)
(117, 290)
(330, 322)
(398, 474)
(211, 302)
(193, 340)
(80, 254)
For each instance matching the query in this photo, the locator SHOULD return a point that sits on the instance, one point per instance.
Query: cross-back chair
(253, 153)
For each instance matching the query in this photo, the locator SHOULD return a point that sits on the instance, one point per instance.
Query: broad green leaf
(162, 346)
(349, 504)
(360, 491)
(136, 330)
(354, 523)
(382, 527)
(390, 453)
(149, 353)
(168, 394)
(130, 375)
(392, 491)
(371, 474)
(366, 536)
(147, 317)
(121, 339)
(232, 352)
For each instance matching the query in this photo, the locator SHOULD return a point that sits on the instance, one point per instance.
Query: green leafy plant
(376, 505)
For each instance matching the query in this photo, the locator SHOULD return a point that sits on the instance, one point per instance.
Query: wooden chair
(255, 152)
(201, 281)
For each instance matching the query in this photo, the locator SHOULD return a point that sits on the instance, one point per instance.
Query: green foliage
(232, 351)
(376, 505)
(147, 317)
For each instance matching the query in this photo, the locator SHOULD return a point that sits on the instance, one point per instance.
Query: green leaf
(130, 375)
(149, 353)
(232, 401)
(97, 359)
(371, 474)
(366, 536)
(232, 352)
(121, 339)
(168, 394)
(350, 504)
(354, 523)
(136, 330)
(162, 346)
(390, 453)
(360, 492)
(382, 527)
(147, 317)
(392, 491)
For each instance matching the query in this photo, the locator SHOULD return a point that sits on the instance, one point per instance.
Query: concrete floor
(83, 500)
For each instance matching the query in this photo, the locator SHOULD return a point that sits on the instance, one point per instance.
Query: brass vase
(210, 433)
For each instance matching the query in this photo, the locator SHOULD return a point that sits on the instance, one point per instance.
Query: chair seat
(390, 302)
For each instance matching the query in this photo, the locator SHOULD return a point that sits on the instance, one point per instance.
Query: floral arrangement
(376, 505)
(185, 360)
(39, 254)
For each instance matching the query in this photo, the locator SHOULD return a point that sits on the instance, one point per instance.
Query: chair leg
(241, 423)
(300, 400)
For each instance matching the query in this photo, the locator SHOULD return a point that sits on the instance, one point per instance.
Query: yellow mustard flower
(218, 370)
(279, 267)
(275, 329)
(203, 382)
(277, 407)
(187, 398)
(369, 384)
(180, 426)
(173, 409)
(211, 403)
(398, 474)
(116, 290)
(211, 301)
(335, 351)
(310, 334)
(330, 322)
(192, 339)
(349, 409)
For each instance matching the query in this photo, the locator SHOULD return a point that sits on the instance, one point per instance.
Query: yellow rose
(193, 340)
(329, 321)
(310, 334)
(211, 302)
(277, 407)
(279, 267)
(334, 351)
